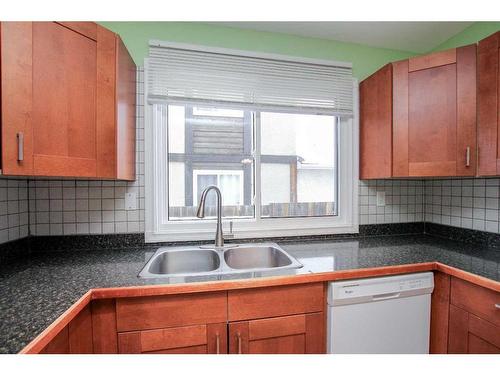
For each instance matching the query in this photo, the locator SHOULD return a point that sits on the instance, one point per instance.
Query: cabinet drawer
(476, 299)
(275, 301)
(198, 339)
(133, 314)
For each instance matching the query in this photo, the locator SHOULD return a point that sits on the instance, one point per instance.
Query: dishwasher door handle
(384, 296)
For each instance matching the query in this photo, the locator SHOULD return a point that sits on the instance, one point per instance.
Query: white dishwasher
(380, 315)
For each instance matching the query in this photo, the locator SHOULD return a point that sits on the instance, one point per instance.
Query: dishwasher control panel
(380, 288)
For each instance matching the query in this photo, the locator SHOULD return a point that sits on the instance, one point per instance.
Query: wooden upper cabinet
(68, 101)
(429, 104)
(64, 101)
(435, 118)
(488, 105)
(375, 142)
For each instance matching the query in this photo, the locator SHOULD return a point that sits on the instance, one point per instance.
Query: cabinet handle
(238, 335)
(217, 343)
(20, 146)
(497, 306)
(467, 156)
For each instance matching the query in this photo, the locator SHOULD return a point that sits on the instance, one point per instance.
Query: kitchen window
(282, 169)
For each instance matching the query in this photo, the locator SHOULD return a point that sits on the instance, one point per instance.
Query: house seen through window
(289, 158)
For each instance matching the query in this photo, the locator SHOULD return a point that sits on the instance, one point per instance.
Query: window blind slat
(183, 74)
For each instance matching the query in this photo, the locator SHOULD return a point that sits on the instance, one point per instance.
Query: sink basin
(250, 257)
(203, 260)
(176, 262)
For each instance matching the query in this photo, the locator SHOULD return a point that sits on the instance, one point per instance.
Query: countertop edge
(151, 290)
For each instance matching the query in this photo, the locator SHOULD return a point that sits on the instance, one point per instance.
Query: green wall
(472, 34)
(365, 59)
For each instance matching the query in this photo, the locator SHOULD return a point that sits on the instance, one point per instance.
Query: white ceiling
(417, 37)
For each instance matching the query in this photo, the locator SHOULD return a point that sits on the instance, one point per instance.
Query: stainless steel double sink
(202, 261)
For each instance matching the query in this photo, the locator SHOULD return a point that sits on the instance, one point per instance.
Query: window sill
(205, 235)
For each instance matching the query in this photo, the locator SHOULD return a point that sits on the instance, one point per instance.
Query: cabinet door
(197, 339)
(375, 147)
(64, 101)
(470, 334)
(16, 98)
(488, 110)
(75, 338)
(435, 114)
(296, 334)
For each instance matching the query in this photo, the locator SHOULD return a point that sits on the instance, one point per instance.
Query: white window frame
(218, 173)
(159, 229)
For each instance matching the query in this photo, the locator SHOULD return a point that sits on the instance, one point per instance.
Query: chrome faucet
(219, 237)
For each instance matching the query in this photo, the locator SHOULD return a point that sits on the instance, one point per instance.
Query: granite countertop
(36, 289)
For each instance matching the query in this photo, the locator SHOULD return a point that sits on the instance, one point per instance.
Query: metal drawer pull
(239, 342)
(20, 146)
(217, 343)
(467, 156)
(497, 306)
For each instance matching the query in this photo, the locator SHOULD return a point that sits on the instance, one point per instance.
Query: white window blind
(181, 73)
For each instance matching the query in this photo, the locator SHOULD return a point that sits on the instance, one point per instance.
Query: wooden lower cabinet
(469, 334)
(474, 319)
(75, 338)
(195, 339)
(296, 334)
(274, 320)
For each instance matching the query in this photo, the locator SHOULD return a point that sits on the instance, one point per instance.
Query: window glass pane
(298, 165)
(210, 146)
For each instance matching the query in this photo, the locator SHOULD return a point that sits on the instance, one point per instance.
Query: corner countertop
(37, 289)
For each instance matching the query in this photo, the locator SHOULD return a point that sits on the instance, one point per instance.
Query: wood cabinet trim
(104, 333)
(488, 105)
(106, 104)
(125, 118)
(466, 110)
(440, 310)
(400, 165)
(87, 29)
(432, 60)
(80, 333)
(458, 332)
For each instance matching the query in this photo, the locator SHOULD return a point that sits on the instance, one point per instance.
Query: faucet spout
(219, 237)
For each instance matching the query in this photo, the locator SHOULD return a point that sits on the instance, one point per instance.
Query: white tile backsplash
(403, 201)
(14, 212)
(465, 203)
